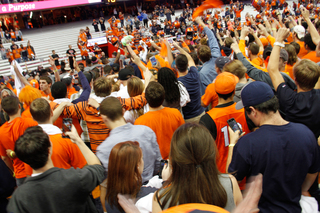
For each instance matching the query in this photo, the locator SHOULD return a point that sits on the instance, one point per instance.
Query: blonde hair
(235, 67)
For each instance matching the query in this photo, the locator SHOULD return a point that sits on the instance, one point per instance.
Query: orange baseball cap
(225, 83)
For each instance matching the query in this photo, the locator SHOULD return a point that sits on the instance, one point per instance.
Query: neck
(253, 57)
(47, 91)
(243, 80)
(183, 73)
(124, 83)
(156, 108)
(272, 119)
(48, 166)
(47, 122)
(299, 89)
(18, 115)
(222, 101)
(116, 123)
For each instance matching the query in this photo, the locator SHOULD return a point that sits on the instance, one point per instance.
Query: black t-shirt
(284, 155)
(71, 52)
(302, 107)
(56, 62)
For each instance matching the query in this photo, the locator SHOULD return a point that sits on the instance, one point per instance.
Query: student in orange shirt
(162, 120)
(45, 85)
(9, 55)
(298, 35)
(10, 132)
(16, 54)
(310, 47)
(65, 154)
(13, 35)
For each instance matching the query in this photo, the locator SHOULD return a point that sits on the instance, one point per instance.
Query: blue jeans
(18, 60)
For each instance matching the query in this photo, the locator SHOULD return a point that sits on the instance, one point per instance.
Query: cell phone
(162, 164)
(66, 126)
(178, 37)
(153, 61)
(170, 40)
(234, 125)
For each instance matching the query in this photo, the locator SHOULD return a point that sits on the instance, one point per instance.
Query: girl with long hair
(195, 177)
(176, 95)
(124, 175)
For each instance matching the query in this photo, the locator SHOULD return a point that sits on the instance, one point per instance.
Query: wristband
(278, 44)
(231, 145)
(11, 153)
(273, 28)
(55, 70)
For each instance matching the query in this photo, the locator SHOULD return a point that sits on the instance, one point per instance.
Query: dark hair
(88, 61)
(225, 96)
(182, 63)
(59, 90)
(67, 81)
(169, 81)
(40, 110)
(195, 58)
(271, 105)
(254, 48)
(123, 172)
(112, 108)
(107, 69)
(10, 105)
(308, 41)
(155, 94)
(33, 147)
(195, 174)
(296, 46)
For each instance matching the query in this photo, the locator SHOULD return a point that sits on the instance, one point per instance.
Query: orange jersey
(13, 35)
(163, 122)
(10, 133)
(30, 52)
(10, 56)
(47, 96)
(83, 50)
(65, 154)
(210, 96)
(312, 56)
(16, 53)
(71, 91)
(98, 131)
(83, 37)
(220, 117)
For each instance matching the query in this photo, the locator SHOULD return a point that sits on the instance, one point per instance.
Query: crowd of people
(185, 111)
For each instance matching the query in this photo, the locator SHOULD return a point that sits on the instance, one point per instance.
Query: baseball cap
(284, 54)
(125, 74)
(300, 30)
(221, 61)
(254, 93)
(225, 83)
(267, 52)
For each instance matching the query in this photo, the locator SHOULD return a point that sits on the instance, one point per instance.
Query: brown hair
(102, 86)
(235, 67)
(306, 74)
(155, 94)
(135, 87)
(47, 79)
(195, 175)
(40, 110)
(112, 108)
(254, 48)
(123, 172)
(292, 54)
(204, 53)
(228, 41)
(10, 105)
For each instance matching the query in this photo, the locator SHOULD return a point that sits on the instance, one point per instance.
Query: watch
(278, 44)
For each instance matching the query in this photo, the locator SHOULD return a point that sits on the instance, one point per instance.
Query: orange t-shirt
(30, 52)
(312, 56)
(163, 122)
(220, 115)
(16, 53)
(303, 50)
(289, 70)
(10, 56)
(210, 96)
(13, 35)
(163, 63)
(10, 133)
(98, 131)
(71, 91)
(257, 61)
(65, 154)
(47, 96)
(26, 113)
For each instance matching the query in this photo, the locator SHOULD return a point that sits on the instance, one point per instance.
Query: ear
(51, 113)
(123, 111)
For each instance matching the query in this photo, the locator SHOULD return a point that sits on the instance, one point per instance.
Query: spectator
(55, 58)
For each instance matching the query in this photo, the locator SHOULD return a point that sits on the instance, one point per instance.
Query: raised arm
(54, 68)
(182, 51)
(312, 29)
(169, 52)
(213, 43)
(273, 65)
(256, 39)
(18, 73)
(84, 83)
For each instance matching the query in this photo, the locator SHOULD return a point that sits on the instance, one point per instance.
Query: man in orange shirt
(10, 132)
(216, 119)
(162, 120)
(45, 87)
(310, 47)
(16, 54)
(65, 154)
(298, 35)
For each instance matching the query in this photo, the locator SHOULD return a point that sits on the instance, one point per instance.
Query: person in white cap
(298, 35)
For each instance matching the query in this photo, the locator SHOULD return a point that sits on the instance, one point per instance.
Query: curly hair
(169, 82)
